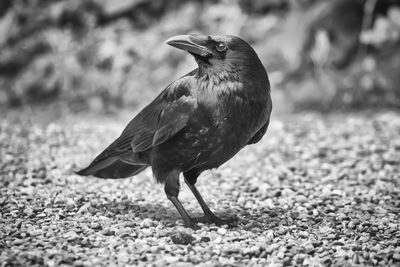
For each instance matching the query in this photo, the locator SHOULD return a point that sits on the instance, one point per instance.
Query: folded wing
(155, 124)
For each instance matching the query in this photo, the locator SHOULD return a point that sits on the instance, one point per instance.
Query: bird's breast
(231, 104)
(210, 91)
(226, 118)
(221, 128)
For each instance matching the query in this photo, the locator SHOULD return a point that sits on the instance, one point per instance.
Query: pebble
(171, 259)
(218, 240)
(396, 256)
(303, 234)
(108, 232)
(231, 248)
(96, 226)
(205, 239)
(221, 231)
(71, 235)
(147, 223)
(18, 242)
(253, 251)
(309, 247)
(154, 249)
(270, 235)
(182, 238)
(331, 236)
(282, 230)
(351, 225)
(147, 232)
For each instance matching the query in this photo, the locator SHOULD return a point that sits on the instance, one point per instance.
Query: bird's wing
(172, 120)
(172, 116)
(156, 123)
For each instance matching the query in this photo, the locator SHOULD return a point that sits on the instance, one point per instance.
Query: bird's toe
(192, 224)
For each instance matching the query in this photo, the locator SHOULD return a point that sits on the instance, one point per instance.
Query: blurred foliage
(104, 54)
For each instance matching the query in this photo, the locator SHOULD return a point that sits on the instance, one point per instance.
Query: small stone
(18, 242)
(303, 234)
(317, 243)
(41, 215)
(70, 203)
(396, 256)
(108, 232)
(221, 231)
(147, 232)
(294, 214)
(205, 239)
(171, 259)
(147, 223)
(331, 236)
(36, 232)
(270, 235)
(96, 226)
(84, 208)
(218, 240)
(233, 248)
(374, 229)
(251, 251)
(182, 238)
(287, 262)
(309, 247)
(71, 236)
(154, 249)
(338, 243)
(282, 230)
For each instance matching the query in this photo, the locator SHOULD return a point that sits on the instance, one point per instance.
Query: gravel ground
(318, 190)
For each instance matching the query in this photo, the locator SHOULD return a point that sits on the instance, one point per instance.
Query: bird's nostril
(199, 39)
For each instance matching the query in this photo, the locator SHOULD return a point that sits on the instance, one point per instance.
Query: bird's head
(217, 53)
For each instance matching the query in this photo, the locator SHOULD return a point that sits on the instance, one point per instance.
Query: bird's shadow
(243, 219)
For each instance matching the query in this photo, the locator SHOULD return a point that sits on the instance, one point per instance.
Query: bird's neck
(218, 73)
(213, 84)
(220, 81)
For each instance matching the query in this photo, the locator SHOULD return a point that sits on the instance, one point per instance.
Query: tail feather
(96, 166)
(112, 168)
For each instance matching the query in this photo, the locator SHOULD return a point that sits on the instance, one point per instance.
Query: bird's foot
(192, 224)
(211, 218)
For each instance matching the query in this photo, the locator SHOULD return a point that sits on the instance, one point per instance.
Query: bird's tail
(111, 168)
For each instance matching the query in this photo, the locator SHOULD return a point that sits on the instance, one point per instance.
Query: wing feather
(170, 128)
(156, 123)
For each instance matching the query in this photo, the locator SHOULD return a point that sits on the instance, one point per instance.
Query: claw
(193, 225)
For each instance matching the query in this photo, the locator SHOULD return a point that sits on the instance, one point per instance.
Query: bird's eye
(221, 47)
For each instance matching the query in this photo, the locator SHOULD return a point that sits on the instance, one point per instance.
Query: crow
(197, 123)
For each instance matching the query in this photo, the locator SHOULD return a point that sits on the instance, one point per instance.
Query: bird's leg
(209, 216)
(171, 189)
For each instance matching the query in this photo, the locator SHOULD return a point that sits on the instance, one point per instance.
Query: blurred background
(101, 56)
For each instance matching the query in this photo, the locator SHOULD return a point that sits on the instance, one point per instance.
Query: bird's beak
(192, 43)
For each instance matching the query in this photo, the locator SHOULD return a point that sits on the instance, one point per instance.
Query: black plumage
(197, 123)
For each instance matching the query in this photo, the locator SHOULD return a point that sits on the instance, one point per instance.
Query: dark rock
(182, 238)
(205, 239)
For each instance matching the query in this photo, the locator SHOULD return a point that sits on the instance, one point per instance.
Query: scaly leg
(171, 189)
(209, 216)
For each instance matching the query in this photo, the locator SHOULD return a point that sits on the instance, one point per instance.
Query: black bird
(197, 123)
